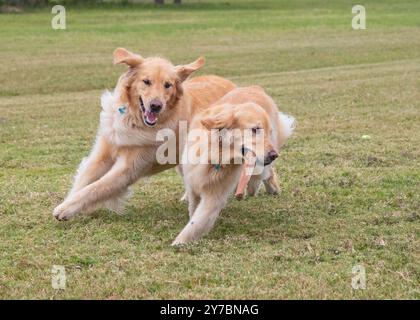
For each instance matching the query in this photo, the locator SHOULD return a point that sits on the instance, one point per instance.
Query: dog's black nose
(271, 156)
(155, 105)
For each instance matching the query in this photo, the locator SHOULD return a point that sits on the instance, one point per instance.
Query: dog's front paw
(182, 238)
(65, 211)
(177, 243)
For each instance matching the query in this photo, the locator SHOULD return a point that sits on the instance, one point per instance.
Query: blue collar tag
(121, 109)
(217, 167)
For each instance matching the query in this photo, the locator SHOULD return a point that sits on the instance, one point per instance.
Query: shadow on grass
(247, 220)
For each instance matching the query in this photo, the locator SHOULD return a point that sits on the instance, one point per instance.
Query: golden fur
(208, 188)
(126, 145)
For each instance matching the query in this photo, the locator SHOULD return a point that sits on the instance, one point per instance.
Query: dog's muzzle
(150, 116)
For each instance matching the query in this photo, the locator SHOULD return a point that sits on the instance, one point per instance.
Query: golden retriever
(208, 184)
(153, 94)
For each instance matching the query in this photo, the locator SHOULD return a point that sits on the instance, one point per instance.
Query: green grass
(341, 194)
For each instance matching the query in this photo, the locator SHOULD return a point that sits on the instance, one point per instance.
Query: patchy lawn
(345, 200)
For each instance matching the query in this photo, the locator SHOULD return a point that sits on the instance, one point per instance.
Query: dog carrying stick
(246, 173)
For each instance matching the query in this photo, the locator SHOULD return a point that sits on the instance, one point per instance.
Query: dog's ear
(184, 71)
(122, 55)
(224, 119)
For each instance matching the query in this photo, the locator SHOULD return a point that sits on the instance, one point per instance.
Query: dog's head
(248, 127)
(152, 86)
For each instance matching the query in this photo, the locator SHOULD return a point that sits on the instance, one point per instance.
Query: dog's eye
(167, 85)
(147, 82)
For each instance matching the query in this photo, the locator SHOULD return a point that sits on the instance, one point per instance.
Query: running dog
(208, 185)
(151, 95)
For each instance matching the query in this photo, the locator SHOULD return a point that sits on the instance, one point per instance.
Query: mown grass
(344, 201)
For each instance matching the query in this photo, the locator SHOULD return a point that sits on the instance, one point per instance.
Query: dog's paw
(177, 243)
(273, 191)
(65, 211)
(179, 240)
(183, 238)
(271, 188)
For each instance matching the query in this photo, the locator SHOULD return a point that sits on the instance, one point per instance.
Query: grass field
(345, 200)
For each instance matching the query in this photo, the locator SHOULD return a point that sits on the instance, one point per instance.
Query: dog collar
(122, 109)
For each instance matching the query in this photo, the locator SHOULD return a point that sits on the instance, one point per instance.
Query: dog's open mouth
(149, 117)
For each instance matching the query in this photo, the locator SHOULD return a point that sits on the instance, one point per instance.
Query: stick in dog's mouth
(248, 166)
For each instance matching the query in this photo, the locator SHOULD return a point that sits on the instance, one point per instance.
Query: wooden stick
(246, 173)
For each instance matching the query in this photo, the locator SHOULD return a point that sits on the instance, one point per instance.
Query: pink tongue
(150, 116)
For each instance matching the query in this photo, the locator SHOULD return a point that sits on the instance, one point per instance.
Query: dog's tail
(288, 122)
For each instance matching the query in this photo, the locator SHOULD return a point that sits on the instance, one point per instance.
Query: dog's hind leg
(117, 203)
(123, 173)
(253, 185)
(203, 219)
(270, 180)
